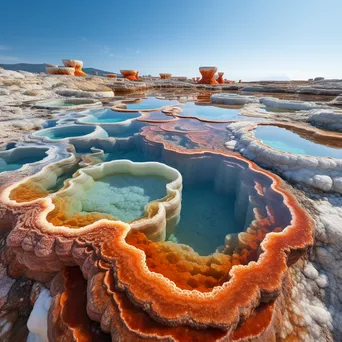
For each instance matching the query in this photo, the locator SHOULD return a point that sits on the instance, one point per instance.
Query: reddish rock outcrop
(111, 75)
(165, 76)
(77, 65)
(220, 79)
(131, 75)
(208, 75)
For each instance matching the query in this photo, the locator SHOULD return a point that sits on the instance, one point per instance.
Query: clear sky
(247, 39)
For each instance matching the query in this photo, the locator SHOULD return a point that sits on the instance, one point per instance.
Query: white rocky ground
(315, 309)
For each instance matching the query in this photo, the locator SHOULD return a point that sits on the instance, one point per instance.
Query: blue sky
(247, 39)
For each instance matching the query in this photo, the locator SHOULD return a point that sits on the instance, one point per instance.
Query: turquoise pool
(150, 103)
(107, 115)
(284, 140)
(213, 113)
(18, 158)
(63, 132)
(214, 211)
(124, 196)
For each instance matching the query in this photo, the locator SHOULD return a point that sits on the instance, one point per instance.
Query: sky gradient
(247, 39)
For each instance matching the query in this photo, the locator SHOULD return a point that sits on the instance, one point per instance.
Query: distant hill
(37, 68)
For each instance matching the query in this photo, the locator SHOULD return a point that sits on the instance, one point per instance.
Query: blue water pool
(207, 112)
(207, 214)
(50, 123)
(284, 140)
(20, 157)
(150, 103)
(107, 115)
(62, 132)
(206, 218)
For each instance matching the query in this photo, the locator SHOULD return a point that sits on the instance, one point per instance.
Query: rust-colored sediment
(165, 76)
(27, 192)
(159, 288)
(59, 216)
(68, 319)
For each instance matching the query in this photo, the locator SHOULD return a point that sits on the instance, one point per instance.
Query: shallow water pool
(284, 140)
(63, 132)
(124, 196)
(20, 157)
(150, 103)
(107, 115)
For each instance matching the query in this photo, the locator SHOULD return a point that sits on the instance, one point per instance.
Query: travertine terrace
(168, 210)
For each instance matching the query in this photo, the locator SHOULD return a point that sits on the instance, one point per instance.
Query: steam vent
(208, 75)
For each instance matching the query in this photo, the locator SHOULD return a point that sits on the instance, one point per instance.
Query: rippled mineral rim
(123, 102)
(50, 152)
(225, 305)
(98, 132)
(85, 114)
(89, 103)
(299, 129)
(146, 117)
(168, 205)
(53, 69)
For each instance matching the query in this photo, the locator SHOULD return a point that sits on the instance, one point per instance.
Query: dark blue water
(206, 218)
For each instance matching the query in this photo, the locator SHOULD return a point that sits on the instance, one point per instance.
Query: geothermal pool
(150, 103)
(64, 132)
(149, 209)
(17, 164)
(207, 112)
(15, 159)
(284, 140)
(107, 115)
(123, 196)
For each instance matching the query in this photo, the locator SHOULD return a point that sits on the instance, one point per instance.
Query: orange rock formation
(220, 79)
(208, 75)
(131, 75)
(165, 76)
